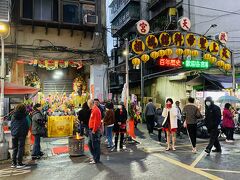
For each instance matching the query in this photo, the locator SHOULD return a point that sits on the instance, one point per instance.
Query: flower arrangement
(32, 80)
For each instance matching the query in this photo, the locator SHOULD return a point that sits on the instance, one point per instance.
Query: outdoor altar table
(60, 126)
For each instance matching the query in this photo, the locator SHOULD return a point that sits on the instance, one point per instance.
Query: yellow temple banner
(60, 126)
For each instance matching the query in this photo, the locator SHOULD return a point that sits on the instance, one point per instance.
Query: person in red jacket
(228, 122)
(94, 132)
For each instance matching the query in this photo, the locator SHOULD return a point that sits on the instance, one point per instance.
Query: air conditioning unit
(91, 20)
(4, 10)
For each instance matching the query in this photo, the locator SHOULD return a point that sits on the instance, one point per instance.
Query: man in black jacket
(212, 121)
(38, 130)
(19, 131)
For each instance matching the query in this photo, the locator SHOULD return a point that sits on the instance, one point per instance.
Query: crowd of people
(21, 123)
(171, 119)
(96, 120)
(93, 117)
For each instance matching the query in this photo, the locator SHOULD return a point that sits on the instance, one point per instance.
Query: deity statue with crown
(80, 94)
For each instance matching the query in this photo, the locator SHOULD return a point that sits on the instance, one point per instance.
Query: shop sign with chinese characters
(196, 64)
(167, 39)
(170, 62)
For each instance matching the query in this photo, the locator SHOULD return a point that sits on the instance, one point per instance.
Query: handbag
(165, 123)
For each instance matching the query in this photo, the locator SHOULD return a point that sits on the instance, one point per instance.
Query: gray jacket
(38, 123)
(150, 109)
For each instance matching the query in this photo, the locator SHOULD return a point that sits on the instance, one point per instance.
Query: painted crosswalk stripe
(187, 167)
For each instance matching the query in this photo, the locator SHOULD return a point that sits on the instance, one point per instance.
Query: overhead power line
(212, 9)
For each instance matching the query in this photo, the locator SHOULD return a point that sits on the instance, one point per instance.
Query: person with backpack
(212, 121)
(19, 131)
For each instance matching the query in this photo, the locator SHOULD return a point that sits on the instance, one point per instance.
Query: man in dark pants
(150, 115)
(191, 114)
(94, 132)
(212, 121)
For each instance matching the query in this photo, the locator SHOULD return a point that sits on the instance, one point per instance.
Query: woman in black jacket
(19, 131)
(120, 124)
(83, 117)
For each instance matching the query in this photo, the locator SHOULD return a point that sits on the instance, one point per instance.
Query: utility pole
(233, 73)
(4, 33)
(2, 79)
(142, 86)
(127, 73)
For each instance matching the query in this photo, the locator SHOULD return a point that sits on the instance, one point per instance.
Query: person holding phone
(170, 123)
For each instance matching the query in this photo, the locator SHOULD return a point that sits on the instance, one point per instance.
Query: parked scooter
(202, 131)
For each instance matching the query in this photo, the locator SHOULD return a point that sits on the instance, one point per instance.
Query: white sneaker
(92, 162)
(21, 165)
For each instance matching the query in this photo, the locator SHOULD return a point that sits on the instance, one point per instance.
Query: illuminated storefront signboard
(170, 62)
(196, 64)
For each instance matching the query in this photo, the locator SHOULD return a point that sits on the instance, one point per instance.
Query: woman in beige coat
(170, 123)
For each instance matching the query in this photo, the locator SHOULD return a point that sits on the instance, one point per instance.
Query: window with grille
(4, 10)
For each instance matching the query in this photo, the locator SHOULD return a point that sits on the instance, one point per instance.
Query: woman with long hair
(120, 126)
(83, 117)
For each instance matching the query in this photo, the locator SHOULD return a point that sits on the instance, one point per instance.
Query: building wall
(98, 82)
(25, 39)
(203, 18)
(161, 89)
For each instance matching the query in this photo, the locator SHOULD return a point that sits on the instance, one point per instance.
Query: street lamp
(4, 32)
(212, 26)
(126, 54)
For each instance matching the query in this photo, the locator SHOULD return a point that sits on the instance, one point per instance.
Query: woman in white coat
(170, 123)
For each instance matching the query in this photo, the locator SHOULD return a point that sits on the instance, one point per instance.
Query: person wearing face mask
(120, 124)
(212, 121)
(170, 123)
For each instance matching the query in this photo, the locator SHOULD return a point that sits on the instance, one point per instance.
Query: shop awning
(15, 89)
(220, 78)
(210, 82)
(226, 81)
